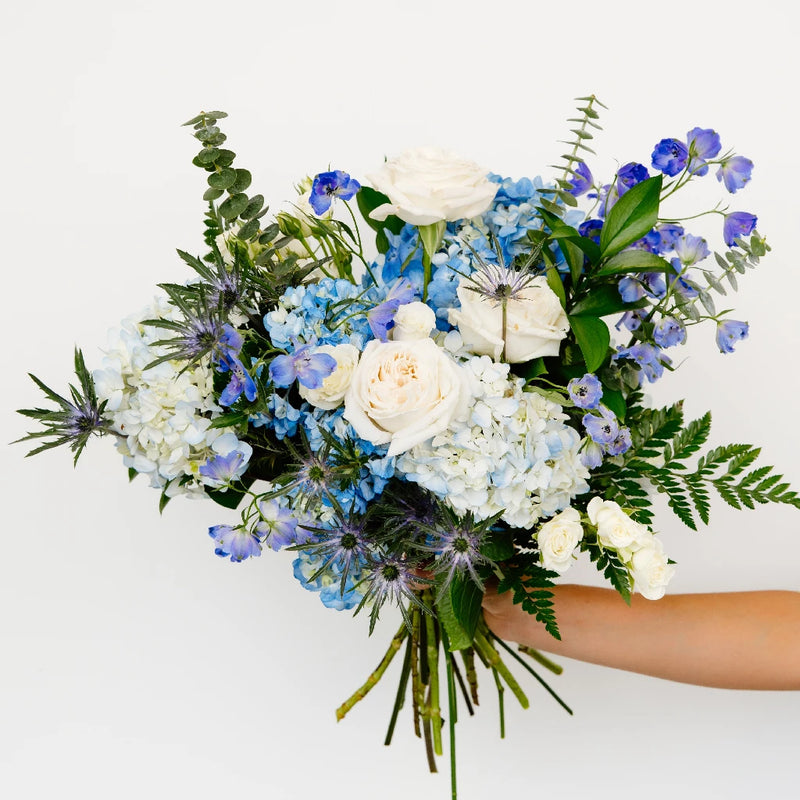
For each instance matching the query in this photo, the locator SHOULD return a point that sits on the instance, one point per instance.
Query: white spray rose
(651, 570)
(615, 529)
(558, 538)
(405, 393)
(535, 321)
(427, 185)
(331, 394)
(413, 321)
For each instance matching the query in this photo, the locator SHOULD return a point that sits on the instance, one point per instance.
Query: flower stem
(492, 657)
(468, 656)
(401, 691)
(500, 703)
(461, 684)
(557, 669)
(362, 692)
(417, 696)
(452, 714)
(434, 709)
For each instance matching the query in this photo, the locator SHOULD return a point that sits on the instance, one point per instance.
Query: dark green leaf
(368, 200)
(556, 284)
(603, 300)
(223, 179)
(212, 194)
(233, 206)
(249, 230)
(631, 217)
(593, 339)
(228, 499)
(225, 158)
(634, 261)
(253, 207)
(498, 545)
(243, 180)
(615, 401)
(466, 598)
(208, 155)
(459, 639)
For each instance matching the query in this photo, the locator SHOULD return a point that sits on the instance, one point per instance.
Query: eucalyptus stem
(362, 692)
(491, 655)
(434, 709)
(468, 657)
(557, 669)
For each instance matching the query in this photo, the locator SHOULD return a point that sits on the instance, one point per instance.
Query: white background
(133, 662)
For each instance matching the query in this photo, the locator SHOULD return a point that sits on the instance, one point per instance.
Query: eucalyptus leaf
(243, 180)
(223, 179)
(233, 206)
(253, 207)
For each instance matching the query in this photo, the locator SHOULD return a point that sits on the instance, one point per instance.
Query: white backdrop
(135, 663)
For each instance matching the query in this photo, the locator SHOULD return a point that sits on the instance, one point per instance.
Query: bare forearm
(737, 640)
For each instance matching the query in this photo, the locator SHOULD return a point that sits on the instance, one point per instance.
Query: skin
(735, 640)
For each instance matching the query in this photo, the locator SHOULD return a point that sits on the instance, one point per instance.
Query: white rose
(651, 570)
(405, 393)
(558, 538)
(334, 387)
(535, 321)
(428, 184)
(615, 529)
(413, 321)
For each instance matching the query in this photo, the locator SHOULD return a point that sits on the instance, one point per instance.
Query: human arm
(735, 640)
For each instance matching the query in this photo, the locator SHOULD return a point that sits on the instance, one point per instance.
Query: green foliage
(531, 584)
(631, 217)
(609, 563)
(459, 609)
(593, 338)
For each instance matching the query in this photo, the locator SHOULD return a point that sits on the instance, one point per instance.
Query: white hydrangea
(163, 414)
(513, 454)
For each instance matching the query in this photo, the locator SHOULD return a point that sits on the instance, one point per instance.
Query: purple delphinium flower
(669, 332)
(622, 442)
(241, 382)
(629, 175)
(670, 156)
(304, 365)
(329, 185)
(585, 392)
(632, 320)
(278, 526)
(590, 229)
(582, 180)
(591, 454)
(648, 357)
(736, 225)
(691, 249)
(630, 289)
(222, 470)
(729, 332)
(381, 318)
(668, 232)
(735, 172)
(603, 429)
(237, 543)
(703, 144)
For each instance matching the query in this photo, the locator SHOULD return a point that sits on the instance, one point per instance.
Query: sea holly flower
(735, 172)
(669, 332)
(304, 365)
(237, 543)
(585, 392)
(329, 185)
(704, 144)
(670, 156)
(629, 175)
(738, 224)
(729, 332)
(582, 180)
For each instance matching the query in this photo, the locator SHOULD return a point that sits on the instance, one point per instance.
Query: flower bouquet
(459, 400)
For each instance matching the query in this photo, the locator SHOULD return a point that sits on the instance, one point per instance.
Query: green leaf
(615, 401)
(228, 499)
(233, 206)
(208, 155)
(368, 200)
(557, 285)
(459, 639)
(212, 194)
(603, 300)
(498, 545)
(253, 207)
(223, 179)
(631, 217)
(249, 230)
(225, 158)
(593, 338)
(633, 261)
(466, 598)
(132, 473)
(243, 180)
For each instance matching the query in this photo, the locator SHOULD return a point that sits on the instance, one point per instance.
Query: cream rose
(535, 321)
(405, 393)
(428, 185)
(558, 538)
(413, 321)
(651, 570)
(331, 394)
(615, 529)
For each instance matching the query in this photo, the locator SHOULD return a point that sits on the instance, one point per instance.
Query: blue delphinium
(648, 357)
(581, 180)
(738, 224)
(381, 317)
(585, 392)
(729, 332)
(629, 175)
(307, 367)
(704, 144)
(691, 249)
(670, 156)
(735, 172)
(329, 185)
(278, 526)
(669, 332)
(238, 543)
